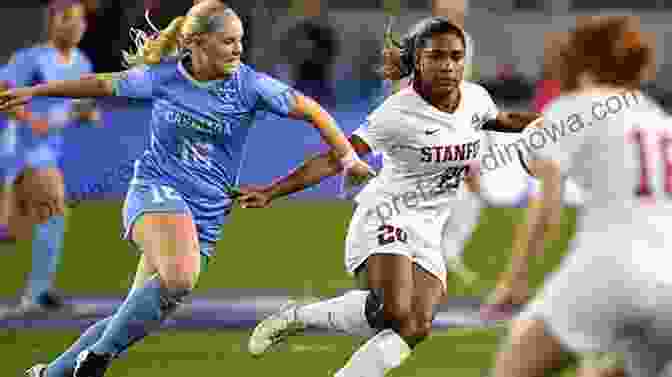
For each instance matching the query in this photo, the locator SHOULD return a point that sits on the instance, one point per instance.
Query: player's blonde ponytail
(151, 48)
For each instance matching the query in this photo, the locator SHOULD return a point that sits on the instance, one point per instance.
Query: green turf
(184, 353)
(294, 245)
(297, 245)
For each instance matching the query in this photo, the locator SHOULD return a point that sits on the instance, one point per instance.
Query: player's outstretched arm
(84, 88)
(308, 174)
(342, 152)
(512, 121)
(305, 108)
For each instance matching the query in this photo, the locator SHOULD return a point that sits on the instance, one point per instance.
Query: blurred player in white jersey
(399, 241)
(610, 300)
(511, 186)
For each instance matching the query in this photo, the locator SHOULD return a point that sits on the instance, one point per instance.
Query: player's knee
(43, 194)
(390, 314)
(179, 280)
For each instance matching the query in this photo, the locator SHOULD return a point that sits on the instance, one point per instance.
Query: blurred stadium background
(328, 49)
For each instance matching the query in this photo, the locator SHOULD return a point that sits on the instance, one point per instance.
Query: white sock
(375, 358)
(344, 313)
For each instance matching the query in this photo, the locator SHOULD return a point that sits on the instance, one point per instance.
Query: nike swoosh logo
(432, 132)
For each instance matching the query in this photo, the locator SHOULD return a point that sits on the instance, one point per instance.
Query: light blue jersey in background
(32, 66)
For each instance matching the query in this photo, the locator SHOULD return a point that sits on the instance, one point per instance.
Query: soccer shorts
(611, 294)
(428, 237)
(150, 197)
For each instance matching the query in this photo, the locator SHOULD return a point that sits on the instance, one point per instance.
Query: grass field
(295, 246)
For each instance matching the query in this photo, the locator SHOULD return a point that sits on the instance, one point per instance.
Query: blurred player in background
(183, 187)
(512, 290)
(429, 134)
(35, 190)
(609, 301)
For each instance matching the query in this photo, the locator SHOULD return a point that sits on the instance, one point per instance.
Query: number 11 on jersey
(645, 144)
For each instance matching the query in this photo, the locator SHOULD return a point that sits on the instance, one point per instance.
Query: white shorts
(606, 297)
(429, 238)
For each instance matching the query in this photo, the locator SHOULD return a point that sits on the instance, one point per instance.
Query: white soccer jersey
(426, 152)
(617, 148)
(617, 275)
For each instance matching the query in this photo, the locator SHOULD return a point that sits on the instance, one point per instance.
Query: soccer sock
(64, 365)
(344, 313)
(385, 351)
(47, 247)
(144, 311)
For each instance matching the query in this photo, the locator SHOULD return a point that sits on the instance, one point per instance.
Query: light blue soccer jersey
(198, 134)
(37, 65)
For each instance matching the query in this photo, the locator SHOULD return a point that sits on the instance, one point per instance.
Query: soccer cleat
(38, 370)
(275, 329)
(91, 364)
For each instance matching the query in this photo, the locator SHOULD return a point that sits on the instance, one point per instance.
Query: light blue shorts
(147, 197)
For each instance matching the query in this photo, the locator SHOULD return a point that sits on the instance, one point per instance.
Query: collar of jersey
(460, 106)
(201, 84)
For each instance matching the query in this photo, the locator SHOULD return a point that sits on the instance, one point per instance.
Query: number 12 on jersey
(645, 142)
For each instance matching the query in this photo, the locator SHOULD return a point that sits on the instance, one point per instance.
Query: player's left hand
(253, 197)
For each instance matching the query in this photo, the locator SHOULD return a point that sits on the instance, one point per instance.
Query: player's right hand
(13, 98)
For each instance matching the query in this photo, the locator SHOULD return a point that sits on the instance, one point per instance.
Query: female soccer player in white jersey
(610, 299)
(428, 135)
(204, 102)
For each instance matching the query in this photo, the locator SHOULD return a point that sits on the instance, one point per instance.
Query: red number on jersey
(663, 142)
(389, 234)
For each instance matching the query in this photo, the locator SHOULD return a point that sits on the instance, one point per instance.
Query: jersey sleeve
(273, 95)
(138, 82)
(20, 70)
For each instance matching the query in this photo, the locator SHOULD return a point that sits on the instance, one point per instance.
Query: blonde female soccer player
(204, 103)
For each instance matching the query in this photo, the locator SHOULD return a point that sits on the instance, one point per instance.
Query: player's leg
(346, 313)
(47, 207)
(391, 279)
(429, 292)
(64, 364)
(38, 215)
(170, 243)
